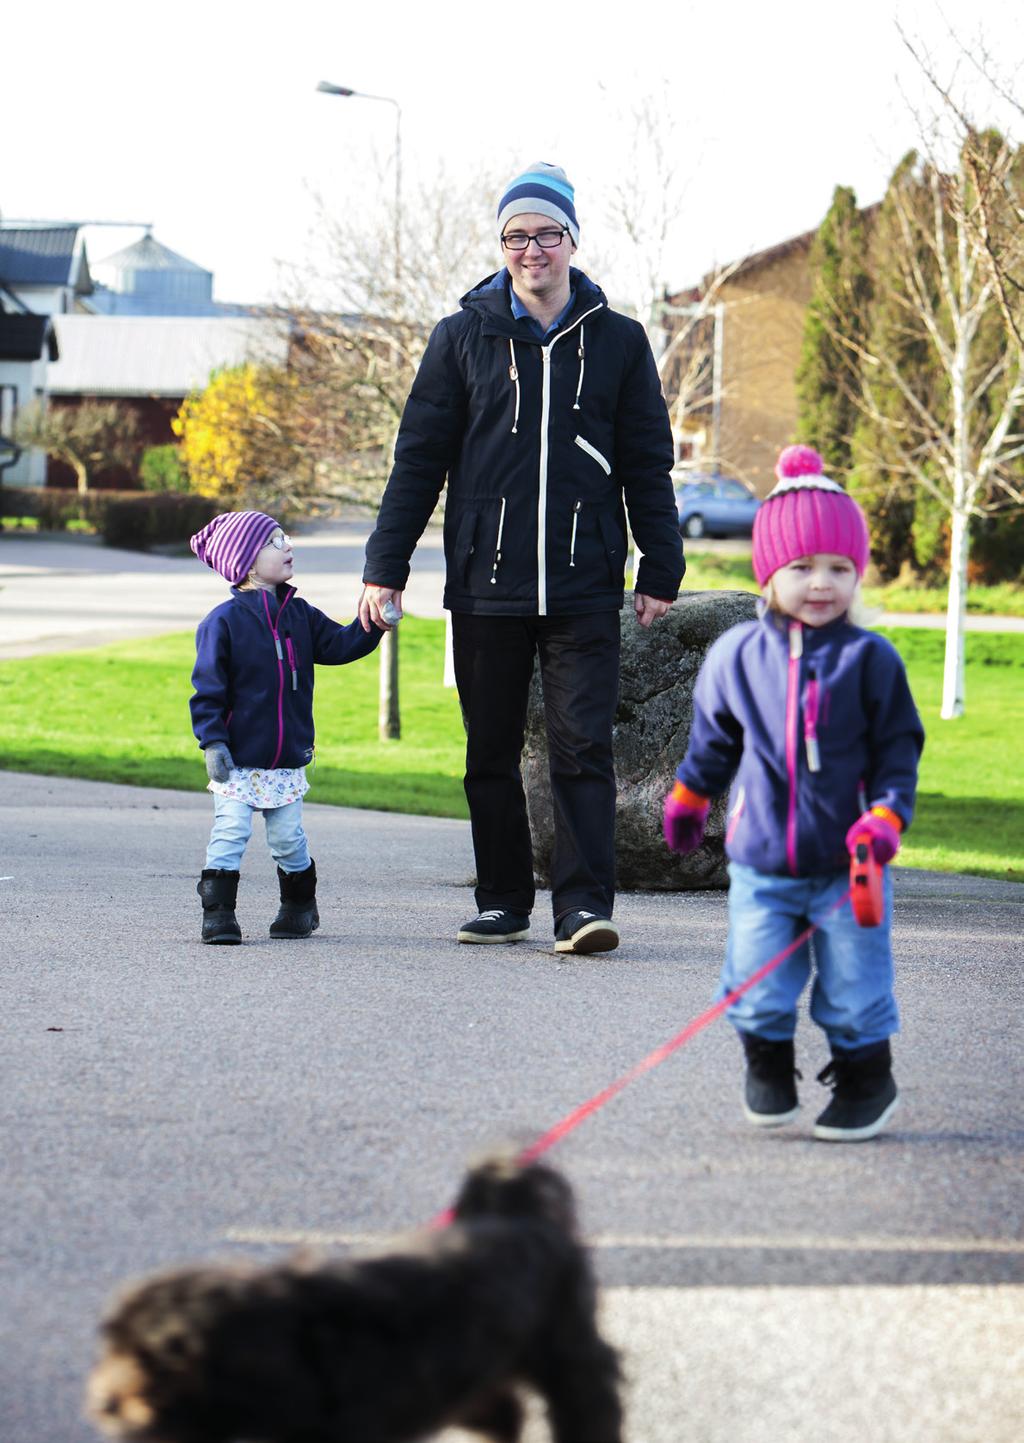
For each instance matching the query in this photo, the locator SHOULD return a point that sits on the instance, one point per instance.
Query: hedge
(132, 519)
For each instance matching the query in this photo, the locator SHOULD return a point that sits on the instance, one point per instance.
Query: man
(543, 409)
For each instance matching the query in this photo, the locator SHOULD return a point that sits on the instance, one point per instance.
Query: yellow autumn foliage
(237, 440)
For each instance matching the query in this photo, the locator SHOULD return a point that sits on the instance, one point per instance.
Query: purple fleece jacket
(253, 676)
(811, 725)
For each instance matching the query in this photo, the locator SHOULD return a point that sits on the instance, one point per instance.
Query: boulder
(652, 725)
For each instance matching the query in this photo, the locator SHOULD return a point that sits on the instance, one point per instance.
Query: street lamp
(326, 88)
(389, 719)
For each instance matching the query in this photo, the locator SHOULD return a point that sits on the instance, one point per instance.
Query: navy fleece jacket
(253, 676)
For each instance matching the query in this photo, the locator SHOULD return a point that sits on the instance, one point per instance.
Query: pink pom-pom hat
(806, 515)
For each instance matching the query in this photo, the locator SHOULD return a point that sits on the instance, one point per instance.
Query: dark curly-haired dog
(379, 1350)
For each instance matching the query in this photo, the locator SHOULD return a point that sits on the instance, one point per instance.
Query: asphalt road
(161, 1102)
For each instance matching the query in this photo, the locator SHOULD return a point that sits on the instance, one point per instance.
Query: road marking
(6, 879)
(300, 1237)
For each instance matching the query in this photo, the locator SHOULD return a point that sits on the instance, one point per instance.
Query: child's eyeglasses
(280, 540)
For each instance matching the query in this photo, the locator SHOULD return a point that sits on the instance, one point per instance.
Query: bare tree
(960, 256)
(91, 436)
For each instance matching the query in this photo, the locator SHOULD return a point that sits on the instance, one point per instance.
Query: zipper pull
(572, 542)
(796, 640)
(277, 647)
(811, 725)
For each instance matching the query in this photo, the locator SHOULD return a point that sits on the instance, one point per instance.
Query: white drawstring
(513, 375)
(579, 383)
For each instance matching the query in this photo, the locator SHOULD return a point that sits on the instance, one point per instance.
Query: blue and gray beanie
(542, 189)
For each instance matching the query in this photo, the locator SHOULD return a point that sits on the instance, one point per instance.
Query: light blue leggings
(232, 828)
(852, 995)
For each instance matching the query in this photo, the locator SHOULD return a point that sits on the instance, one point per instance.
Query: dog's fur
(380, 1350)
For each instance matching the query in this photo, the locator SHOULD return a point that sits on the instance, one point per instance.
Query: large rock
(652, 724)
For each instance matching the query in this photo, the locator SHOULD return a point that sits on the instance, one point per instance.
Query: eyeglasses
(548, 240)
(281, 541)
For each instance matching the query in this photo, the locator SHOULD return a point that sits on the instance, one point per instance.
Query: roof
(156, 355)
(149, 254)
(39, 255)
(25, 338)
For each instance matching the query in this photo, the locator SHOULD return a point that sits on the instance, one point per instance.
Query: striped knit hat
(542, 189)
(806, 515)
(232, 541)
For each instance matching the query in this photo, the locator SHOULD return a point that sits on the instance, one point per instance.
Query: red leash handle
(866, 887)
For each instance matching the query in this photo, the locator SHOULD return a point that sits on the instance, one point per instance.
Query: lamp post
(389, 720)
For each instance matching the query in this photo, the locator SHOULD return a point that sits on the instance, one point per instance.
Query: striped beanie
(542, 189)
(806, 515)
(232, 541)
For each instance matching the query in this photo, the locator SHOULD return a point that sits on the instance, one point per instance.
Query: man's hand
(371, 605)
(648, 608)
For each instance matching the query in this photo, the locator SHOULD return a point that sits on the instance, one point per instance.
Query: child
(811, 719)
(252, 713)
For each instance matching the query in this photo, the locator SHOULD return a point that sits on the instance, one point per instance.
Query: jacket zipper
(497, 544)
(811, 725)
(796, 648)
(280, 670)
(542, 484)
(572, 543)
(595, 453)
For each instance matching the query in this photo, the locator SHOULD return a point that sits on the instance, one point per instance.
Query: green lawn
(120, 713)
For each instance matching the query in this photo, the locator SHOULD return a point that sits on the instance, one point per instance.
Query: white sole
(856, 1134)
(598, 936)
(489, 941)
(770, 1119)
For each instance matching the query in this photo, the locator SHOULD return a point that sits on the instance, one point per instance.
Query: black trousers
(579, 668)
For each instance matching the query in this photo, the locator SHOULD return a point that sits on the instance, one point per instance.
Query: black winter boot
(864, 1094)
(297, 915)
(218, 890)
(770, 1091)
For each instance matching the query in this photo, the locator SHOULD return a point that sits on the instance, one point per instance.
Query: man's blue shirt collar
(520, 312)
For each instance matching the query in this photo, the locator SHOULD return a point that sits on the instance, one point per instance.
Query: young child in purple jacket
(252, 714)
(811, 721)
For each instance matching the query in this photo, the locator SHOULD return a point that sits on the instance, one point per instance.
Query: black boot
(297, 915)
(864, 1094)
(218, 890)
(770, 1091)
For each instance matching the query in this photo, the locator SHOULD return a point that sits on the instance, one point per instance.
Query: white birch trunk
(956, 616)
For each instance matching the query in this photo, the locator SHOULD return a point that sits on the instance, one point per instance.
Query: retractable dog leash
(864, 894)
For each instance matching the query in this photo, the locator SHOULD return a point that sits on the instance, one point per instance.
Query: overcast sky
(203, 118)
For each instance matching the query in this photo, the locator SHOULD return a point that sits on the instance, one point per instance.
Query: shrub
(161, 470)
(139, 521)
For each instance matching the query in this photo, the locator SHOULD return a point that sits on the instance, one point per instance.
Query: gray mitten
(218, 762)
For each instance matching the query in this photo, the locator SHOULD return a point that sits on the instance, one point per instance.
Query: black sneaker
(864, 1095)
(769, 1097)
(584, 932)
(496, 925)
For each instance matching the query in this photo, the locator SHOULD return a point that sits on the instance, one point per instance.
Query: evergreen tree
(828, 376)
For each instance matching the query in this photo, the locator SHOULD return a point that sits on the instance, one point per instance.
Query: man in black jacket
(544, 410)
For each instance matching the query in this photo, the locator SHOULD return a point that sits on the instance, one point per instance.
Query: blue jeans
(232, 828)
(852, 994)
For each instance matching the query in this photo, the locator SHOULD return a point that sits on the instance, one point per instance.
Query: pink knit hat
(806, 514)
(231, 542)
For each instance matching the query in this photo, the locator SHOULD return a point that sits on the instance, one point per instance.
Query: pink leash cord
(573, 1119)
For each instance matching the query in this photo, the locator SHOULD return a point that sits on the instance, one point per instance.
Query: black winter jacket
(541, 442)
(253, 676)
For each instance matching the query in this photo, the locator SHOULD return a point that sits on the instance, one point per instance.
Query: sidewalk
(165, 1101)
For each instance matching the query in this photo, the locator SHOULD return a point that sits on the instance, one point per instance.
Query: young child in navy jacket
(252, 713)
(811, 721)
